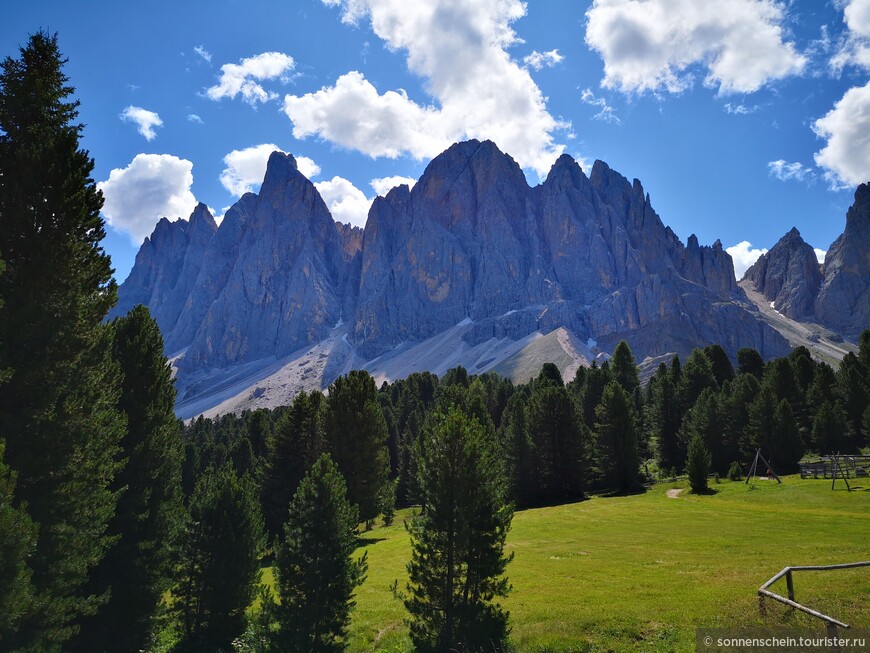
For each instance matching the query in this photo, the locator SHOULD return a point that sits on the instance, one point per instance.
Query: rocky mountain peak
(843, 302)
(788, 276)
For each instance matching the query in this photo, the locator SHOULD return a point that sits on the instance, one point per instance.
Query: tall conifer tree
(139, 568)
(356, 434)
(316, 573)
(58, 410)
(457, 544)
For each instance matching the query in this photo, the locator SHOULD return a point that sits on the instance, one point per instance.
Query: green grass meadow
(640, 573)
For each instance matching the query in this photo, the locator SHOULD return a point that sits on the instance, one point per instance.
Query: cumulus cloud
(242, 78)
(743, 255)
(658, 45)
(820, 254)
(307, 167)
(539, 60)
(855, 48)
(785, 171)
(202, 52)
(346, 202)
(846, 156)
(605, 111)
(151, 187)
(246, 168)
(384, 185)
(145, 120)
(459, 49)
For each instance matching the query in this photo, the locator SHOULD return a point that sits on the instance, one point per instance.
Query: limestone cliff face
(843, 302)
(788, 275)
(472, 241)
(166, 268)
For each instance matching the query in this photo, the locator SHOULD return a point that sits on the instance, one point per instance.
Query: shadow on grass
(363, 541)
(708, 491)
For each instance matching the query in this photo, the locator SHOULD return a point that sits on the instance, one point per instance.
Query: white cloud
(656, 45)
(538, 60)
(307, 167)
(743, 255)
(740, 109)
(202, 52)
(855, 47)
(151, 187)
(246, 168)
(240, 78)
(459, 49)
(145, 120)
(820, 254)
(346, 202)
(192, 117)
(846, 155)
(384, 185)
(605, 111)
(785, 171)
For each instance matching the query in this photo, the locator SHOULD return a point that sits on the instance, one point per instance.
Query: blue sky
(742, 118)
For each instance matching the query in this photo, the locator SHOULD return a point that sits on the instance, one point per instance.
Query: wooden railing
(763, 592)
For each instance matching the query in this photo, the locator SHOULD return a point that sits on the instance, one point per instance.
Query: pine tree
(720, 364)
(298, 442)
(697, 376)
(316, 573)
(625, 368)
(220, 567)
(698, 463)
(16, 546)
(139, 568)
(616, 440)
(704, 420)
(558, 444)
(830, 433)
(356, 434)
(58, 410)
(664, 423)
(853, 394)
(742, 392)
(786, 439)
(750, 361)
(457, 544)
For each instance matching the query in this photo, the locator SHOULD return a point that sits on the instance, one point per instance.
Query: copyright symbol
(708, 641)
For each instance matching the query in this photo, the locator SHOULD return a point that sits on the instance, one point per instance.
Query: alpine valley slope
(471, 267)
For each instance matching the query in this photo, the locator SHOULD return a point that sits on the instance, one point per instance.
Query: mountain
(835, 295)
(843, 302)
(472, 266)
(788, 276)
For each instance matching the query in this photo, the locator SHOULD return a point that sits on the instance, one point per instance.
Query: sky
(741, 118)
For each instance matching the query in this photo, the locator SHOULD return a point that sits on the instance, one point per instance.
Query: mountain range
(471, 266)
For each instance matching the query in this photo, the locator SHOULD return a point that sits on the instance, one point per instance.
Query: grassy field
(640, 573)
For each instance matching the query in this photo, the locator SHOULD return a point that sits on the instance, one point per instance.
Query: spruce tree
(664, 423)
(315, 566)
(558, 445)
(750, 361)
(616, 440)
(457, 563)
(786, 440)
(853, 394)
(625, 368)
(16, 546)
(830, 434)
(704, 420)
(697, 376)
(220, 567)
(356, 434)
(58, 410)
(698, 463)
(298, 441)
(139, 568)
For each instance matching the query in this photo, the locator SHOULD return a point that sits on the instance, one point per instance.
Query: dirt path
(673, 494)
